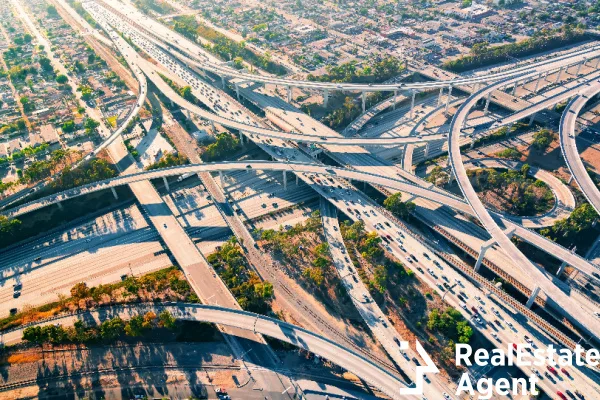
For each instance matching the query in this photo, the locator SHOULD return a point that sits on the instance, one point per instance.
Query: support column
(472, 141)
(284, 180)
(579, 67)
(537, 84)
(223, 81)
(427, 149)
(166, 182)
(531, 119)
(558, 75)
(189, 115)
(114, 192)
(515, 88)
(482, 251)
(597, 62)
(364, 101)
(487, 104)
(449, 97)
(326, 98)
(561, 269)
(296, 180)
(570, 179)
(289, 94)
(241, 138)
(237, 90)
(212, 125)
(221, 177)
(60, 206)
(412, 103)
(531, 299)
(440, 96)
(395, 96)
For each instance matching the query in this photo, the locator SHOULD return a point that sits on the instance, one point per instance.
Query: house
(48, 134)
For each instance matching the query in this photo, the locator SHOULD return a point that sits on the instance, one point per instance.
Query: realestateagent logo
(520, 355)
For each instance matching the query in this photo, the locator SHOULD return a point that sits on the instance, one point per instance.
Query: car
(397, 340)
(165, 226)
(463, 305)
(17, 286)
(538, 373)
(474, 310)
(420, 270)
(16, 293)
(561, 395)
(366, 298)
(13, 311)
(552, 369)
(564, 371)
(416, 361)
(426, 256)
(481, 309)
(355, 278)
(495, 336)
(446, 396)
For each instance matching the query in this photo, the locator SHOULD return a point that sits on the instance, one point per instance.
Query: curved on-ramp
(363, 368)
(564, 203)
(568, 145)
(541, 279)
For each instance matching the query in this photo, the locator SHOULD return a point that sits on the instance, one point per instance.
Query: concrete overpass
(568, 145)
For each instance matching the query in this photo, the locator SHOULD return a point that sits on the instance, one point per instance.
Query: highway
(206, 62)
(568, 144)
(244, 321)
(544, 281)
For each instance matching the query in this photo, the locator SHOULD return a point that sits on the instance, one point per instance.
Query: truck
(184, 176)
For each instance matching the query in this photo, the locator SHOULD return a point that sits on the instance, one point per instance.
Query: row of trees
(168, 160)
(523, 195)
(251, 292)
(451, 324)
(378, 70)
(396, 206)
(225, 146)
(224, 47)
(569, 231)
(547, 39)
(108, 331)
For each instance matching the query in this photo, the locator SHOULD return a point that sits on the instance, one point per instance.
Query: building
(48, 134)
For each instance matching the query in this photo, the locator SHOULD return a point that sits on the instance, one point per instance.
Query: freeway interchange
(161, 44)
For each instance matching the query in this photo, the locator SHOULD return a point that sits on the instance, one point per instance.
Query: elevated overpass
(585, 320)
(254, 323)
(568, 145)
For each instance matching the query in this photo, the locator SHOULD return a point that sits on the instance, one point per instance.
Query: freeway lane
(564, 303)
(568, 145)
(297, 336)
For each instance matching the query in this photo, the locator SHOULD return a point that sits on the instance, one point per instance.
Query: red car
(564, 371)
(562, 396)
(551, 369)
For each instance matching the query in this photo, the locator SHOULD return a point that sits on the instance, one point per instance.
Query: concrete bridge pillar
(537, 84)
(326, 98)
(284, 180)
(570, 179)
(60, 206)
(561, 269)
(440, 96)
(449, 97)
(289, 94)
(395, 96)
(531, 119)
(515, 88)
(297, 181)
(237, 90)
(241, 138)
(223, 82)
(427, 149)
(558, 75)
(487, 104)
(364, 101)
(114, 192)
(533, 296)
(580, 65)
(412, 103)
(482, 251)
(221, 177)
(212, 125)
(597, 63)
(166, 182)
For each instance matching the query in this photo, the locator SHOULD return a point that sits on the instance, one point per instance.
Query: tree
(80, 291)
(52, 12)
(46, 64)
(68, 126)
(542, 139)
(135, 326)
(62, 79)
(112, 328)
(397, 207)
(166, 320)
(90, 125)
